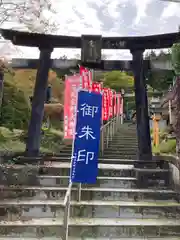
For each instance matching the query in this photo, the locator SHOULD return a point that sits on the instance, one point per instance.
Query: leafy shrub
(15, 108)
(168, 147)
(51, 140)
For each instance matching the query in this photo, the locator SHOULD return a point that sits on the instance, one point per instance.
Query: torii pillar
(142, 117)
(34, 131)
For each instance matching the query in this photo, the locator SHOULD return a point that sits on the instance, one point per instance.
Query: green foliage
(130, 106)
(51, 140)
(160, 80)
(9, 141)
(152, 55)
(168, 146)
(118, 80)
(15, 106)
(176, 57)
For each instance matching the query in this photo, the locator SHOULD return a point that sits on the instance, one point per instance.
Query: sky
(108, 18)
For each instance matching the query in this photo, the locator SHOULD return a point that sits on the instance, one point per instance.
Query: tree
(34, 15)
(118, 80)
(160, 80)
(150, 55)
(176, 66)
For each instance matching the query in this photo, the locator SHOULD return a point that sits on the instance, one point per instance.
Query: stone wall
(174, 167)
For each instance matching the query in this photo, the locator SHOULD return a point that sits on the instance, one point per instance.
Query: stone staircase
(122, 205)
(123, 146)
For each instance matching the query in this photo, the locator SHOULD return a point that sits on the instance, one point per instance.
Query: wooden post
(156, 130)
(34, 131)
(143, 129)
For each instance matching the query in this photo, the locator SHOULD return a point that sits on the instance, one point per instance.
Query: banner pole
(74, 131)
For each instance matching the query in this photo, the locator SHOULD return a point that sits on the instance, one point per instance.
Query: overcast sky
(112, 18)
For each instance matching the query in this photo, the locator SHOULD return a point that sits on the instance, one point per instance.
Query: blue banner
(84, 167)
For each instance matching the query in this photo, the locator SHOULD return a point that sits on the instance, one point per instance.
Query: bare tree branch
(34, 15)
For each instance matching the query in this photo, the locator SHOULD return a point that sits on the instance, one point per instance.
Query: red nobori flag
(110, 103)
(90, 78)
(122, 106)
(118, 103)
(86, 78)
(105, 104)
(72, 84)
(115, 103)
(97, 87)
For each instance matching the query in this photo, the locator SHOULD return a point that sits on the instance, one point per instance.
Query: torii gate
(91, 46)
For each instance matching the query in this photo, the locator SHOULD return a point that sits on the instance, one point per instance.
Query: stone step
(120, 152)
(27, 209)
(92, 227)
(126, 131)
(121, 148)
(152, 173)
(110, 170)
(143, 204)
(62, 169)
(146, 163)
(125, 135)
(107, 182)
(125, 194)
(126, 182)
(127, 156)
(159, 163)
(123, 138)
(89, 238)
(124, 144)
(93, 222)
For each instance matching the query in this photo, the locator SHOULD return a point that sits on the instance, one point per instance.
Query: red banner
(86, 78)
(110, 103)
(90, 78)
(105, 104)
(122, 107)
(115, 103)
(72, 84)
(118, 103)
(96, 87)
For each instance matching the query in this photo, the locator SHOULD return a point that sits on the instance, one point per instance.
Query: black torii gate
(91, 46)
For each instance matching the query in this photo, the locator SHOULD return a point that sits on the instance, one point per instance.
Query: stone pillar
(38, 100)
(143, 129)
